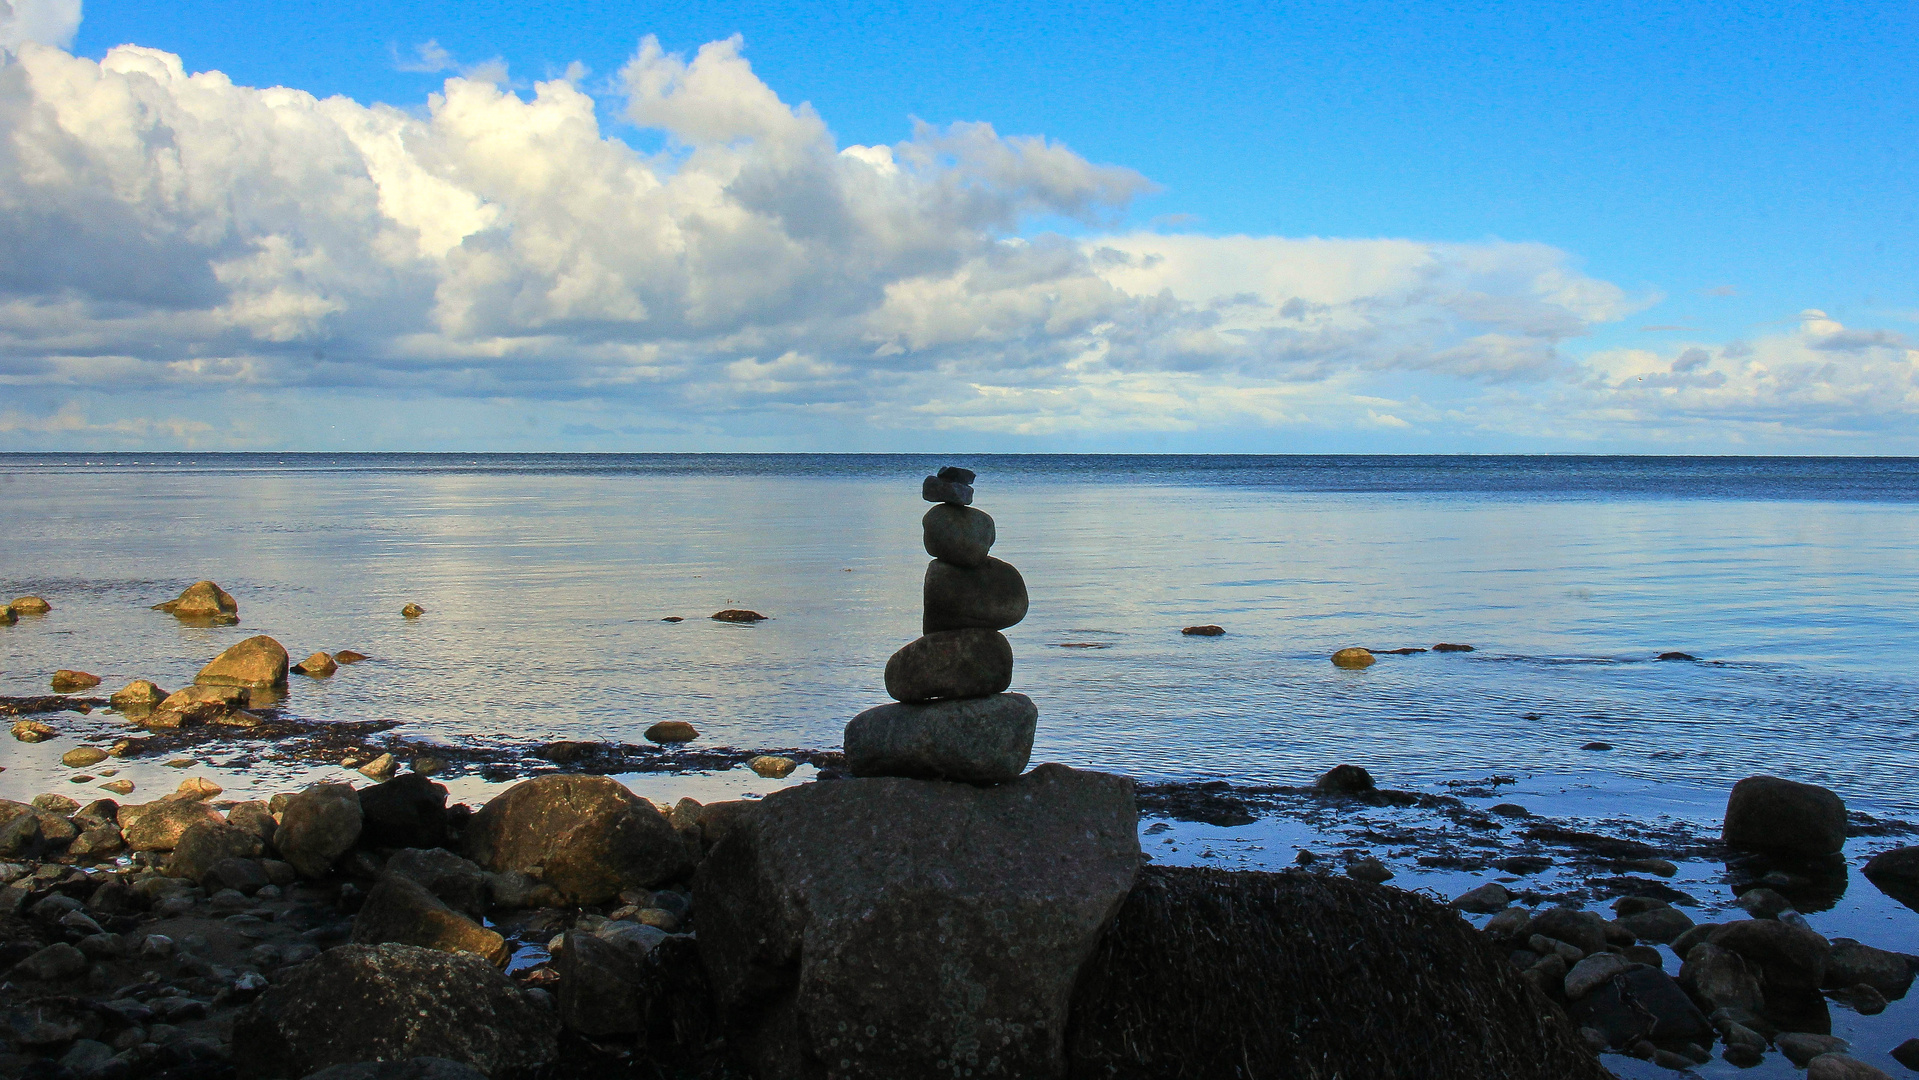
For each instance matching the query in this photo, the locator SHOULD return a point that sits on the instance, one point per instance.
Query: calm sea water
(546, 578)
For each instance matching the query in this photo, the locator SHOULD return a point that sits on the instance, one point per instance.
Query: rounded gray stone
(990, 596)
(977, 740)
(961, 535)
(951, 664)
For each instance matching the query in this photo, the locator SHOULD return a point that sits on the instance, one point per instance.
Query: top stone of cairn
(950, 485)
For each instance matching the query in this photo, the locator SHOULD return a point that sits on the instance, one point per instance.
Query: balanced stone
(959, 534)
(983, 740)
(956, 474)
(990, 596)
(951, 664)
(946, 491)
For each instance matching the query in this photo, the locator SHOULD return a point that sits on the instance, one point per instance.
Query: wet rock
(66, 681)
(737, 615)
(138, 694)
(1850, 964)
(1369, 870)
(259, 661)
(1587, 975)
(391, 1002)
(459, 883)
(1663, 924)
(1763, 903)
(1784, 955)
(913, 910)
(1641, 1003)
(81, 757)
(1800, 1047)
(33, 731)
(99, 842)
(412, 611)
(405, 812)
(30, 605)
(1447, 646)
(1766, 813)
(960, 535)
(317, 666)
(1350, 779)
(975, 740)
(586, 836)
(203, 601)
(1353, 658)
(54, 963)
(671, 731)
(951, 664)
(1720, 978)
(208, 842)
(990, 596)
(1584, 930)
(1842, 1067)
(318, 826)
(772, 767)
(8, 616)
(1510, 925)
(954, 492)
(158, 826)
(1866, 1000)
(1485, 899)
(1205, 630)
(399, 909)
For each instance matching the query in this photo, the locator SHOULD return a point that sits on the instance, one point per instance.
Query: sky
(1263, 228)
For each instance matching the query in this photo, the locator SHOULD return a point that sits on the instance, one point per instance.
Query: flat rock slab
(891, 928)
(977, 740)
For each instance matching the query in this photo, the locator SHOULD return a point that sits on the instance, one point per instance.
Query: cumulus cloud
(44, 22)
(173, 233)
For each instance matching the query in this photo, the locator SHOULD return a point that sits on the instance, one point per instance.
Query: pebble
(33, 731)
(82, 756)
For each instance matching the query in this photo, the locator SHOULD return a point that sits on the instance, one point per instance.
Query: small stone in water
(1446, 646)
(1368, 869)
(1353, 658)
(412, 611)
(671, 731)
(738, 615)
(1208, 630)
(1597, 746)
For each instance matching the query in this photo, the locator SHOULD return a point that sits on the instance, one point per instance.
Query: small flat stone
(737, 615)
(1207, 630)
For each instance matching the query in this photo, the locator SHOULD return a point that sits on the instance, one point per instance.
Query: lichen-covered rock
(391, 1002)
(259, 661)
(892, 928)
(586, 836)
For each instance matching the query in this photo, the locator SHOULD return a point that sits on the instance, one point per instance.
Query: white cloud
(173, 233)
(45, 22)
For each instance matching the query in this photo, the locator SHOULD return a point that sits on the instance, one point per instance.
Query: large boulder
(259, 661)
(159, 826)
(1766, 813)
(977, 740)
(890, 928)
(586, 836)
(319, 825)
(206, 843)
(990, 596)
(951, 664)
(1206, 972)
(203, 601)
(405, 812)
(391, 1002)
(400, 909)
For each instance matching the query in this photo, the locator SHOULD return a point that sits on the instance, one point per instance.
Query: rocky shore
(927, 905)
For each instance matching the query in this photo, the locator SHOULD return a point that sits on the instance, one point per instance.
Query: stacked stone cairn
(952, 718)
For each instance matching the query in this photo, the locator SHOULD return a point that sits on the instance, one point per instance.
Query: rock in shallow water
(1353, 658)
(258, 661)
(890, 928)
(317, 666)
(977, 740)
(960, 535)
(203, 601)
(1208, 630)
(951, 664)
(671, 731)
(1766, 813)
(412, 611)
(990, 596)
(66, 681)
(31, 605)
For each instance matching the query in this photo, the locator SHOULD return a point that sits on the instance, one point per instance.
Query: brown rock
(401, 910)
(990, 596)
(66, 681)
(951, 664)
(1353, 658)
(258, 661)
(1208, 630)
(392, 1002)
(319, 825)
(318, 666)
(31, 731)
(412, 611)
(118, 787)
(206, 843)
(348, 656)
(138, 694)
(771, 767)
(1767, 813)
(671, 731)
(81, 757)
(203, 601)
(738, 615)
(586, 836)
(31, 605)
(884, 925)
(196, 787)
(158, 826)
(7, 615)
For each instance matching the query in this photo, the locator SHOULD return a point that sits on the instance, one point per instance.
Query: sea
(1788, 584)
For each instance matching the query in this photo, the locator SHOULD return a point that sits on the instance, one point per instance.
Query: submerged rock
(976, 740)
(1206, 630)
(737, 615)
(891, 928)
(587, 837)
(1766, 813)
(392, 1002)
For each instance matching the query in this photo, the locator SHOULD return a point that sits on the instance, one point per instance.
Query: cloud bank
(176, 243)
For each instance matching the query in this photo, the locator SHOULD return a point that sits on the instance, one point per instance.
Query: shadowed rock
(951, 664)
(402, 910)
(976, 740)
(960, 535)
(990, 596)
(586, 836)
(1766, 813)
(318, 826)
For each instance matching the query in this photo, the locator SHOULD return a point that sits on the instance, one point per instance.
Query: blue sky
(1742, 180)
